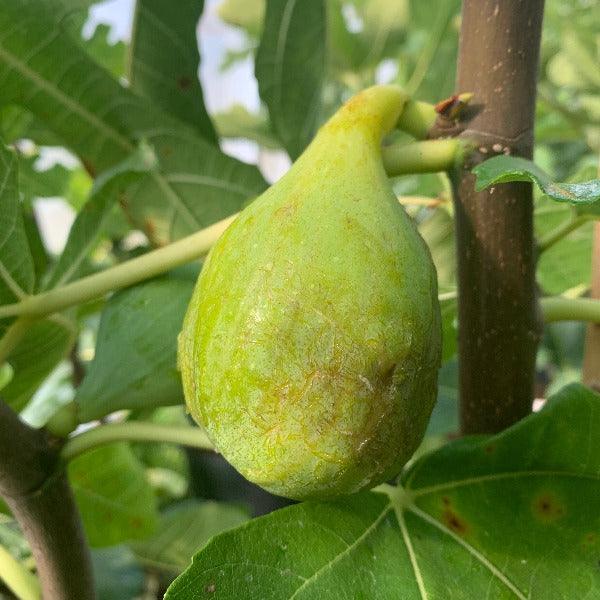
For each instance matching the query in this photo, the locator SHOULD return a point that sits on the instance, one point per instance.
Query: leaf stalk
(134, 431)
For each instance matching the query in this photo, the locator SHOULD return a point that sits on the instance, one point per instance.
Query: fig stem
(429, 156)
(417, 118)
(20, 581)
(562, 231)
(570, 309)
(134, 431)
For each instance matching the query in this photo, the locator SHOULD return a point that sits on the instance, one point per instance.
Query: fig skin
(310, 348)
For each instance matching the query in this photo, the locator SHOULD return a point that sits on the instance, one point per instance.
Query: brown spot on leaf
(445, 501)
(184, 82)
(590, 539)
(455, 522)
(210, 588)
(547, 507)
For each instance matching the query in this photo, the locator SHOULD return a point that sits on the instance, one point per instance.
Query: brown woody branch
(38, 493)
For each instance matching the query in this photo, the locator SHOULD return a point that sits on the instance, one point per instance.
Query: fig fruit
(310, 348)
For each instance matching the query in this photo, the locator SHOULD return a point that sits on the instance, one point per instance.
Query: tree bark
(40, 498)
(591, 359)
(498, 323)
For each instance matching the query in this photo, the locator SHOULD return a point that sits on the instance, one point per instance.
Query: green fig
(310, 349)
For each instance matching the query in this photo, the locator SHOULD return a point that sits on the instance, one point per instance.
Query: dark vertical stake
(498, 337)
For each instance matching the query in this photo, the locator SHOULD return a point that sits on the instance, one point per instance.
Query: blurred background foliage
(148, 508)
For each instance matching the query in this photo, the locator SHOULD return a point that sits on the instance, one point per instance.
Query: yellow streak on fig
(311, 345)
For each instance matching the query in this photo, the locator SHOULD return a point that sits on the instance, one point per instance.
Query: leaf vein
(345, 552)
(471, 550)
(416, 492)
